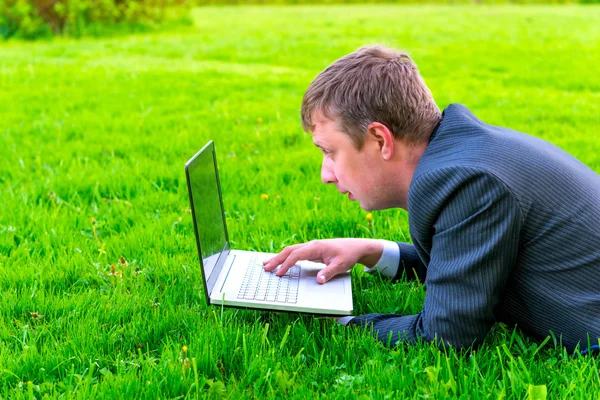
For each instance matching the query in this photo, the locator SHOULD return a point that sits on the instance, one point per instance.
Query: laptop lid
(210, 229)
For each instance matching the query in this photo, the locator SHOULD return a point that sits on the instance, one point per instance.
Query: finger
(274, 262)
(308, 252)
(330, 271)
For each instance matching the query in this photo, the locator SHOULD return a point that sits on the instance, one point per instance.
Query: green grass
(94, 135)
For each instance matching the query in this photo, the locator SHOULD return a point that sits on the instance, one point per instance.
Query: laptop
(236, 278)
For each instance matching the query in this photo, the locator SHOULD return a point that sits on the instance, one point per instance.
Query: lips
(348, 193)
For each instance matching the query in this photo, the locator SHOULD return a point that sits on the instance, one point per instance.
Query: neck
(403, 168)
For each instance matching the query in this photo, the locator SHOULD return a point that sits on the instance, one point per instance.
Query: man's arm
(399, 259)
(473, 249)
(410, 265)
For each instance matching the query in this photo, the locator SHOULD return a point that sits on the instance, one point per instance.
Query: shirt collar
(437, 127)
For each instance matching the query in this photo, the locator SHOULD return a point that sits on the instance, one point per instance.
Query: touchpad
(335, 285)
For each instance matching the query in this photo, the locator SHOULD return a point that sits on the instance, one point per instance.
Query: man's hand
(339, 255)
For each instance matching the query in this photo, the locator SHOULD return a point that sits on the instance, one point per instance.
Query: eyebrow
(319, 145)
(317, 142)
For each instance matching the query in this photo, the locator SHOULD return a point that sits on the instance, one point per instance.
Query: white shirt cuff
(389, 260)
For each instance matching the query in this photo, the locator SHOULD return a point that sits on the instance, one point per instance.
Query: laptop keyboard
(259, 284)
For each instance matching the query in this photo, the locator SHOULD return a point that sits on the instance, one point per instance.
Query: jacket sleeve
(410, 265)
(475, 222)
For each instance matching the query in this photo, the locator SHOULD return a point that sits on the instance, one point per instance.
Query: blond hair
(373, 84)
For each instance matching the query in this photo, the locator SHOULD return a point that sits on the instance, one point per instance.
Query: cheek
(368, 180)
(342, 170)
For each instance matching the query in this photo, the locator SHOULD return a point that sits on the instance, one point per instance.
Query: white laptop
(237, 278)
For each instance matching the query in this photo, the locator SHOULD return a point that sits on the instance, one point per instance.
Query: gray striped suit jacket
(505, 227)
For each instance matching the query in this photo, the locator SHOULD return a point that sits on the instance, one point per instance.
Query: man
(505, 227)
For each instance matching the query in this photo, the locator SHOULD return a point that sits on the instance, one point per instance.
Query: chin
(377, 207)
(368, 207)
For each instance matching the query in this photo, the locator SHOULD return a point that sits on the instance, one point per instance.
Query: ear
(382, 137)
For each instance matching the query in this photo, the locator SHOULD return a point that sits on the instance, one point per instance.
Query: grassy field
(100, 289)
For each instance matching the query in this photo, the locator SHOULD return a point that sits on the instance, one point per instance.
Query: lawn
(100, 288)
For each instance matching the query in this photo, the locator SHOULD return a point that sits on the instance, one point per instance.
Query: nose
(327, 174)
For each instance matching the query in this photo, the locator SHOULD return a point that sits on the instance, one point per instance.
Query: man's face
(359, 174)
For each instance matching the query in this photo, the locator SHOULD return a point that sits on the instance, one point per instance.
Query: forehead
(325, 130)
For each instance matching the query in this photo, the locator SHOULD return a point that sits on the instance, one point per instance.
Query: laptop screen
(207, 211)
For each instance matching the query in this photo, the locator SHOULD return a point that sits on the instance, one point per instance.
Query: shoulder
(463, 147)
(461, 190)
(446, 179)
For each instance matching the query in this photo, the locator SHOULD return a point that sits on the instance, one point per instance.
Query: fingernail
(321, 278)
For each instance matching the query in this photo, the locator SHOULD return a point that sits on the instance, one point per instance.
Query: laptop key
(281, 298)
(260, 296)
(267, 286)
